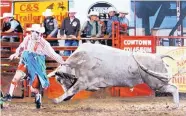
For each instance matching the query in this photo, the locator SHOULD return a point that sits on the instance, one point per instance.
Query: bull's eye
(58, 79)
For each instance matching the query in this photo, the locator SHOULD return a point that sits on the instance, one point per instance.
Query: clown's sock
(12, 87)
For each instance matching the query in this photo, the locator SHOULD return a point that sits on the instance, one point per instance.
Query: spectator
(51, 27)
(10, 25)
(112, 18)
(103, 30)
(103, 27)
(124, 22)
(122, 17)
(92, 28)
(70, 29)
(32, 53)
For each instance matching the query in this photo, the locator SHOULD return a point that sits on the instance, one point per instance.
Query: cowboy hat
(123, 11)
(93, 13)
(37, 28)
(5, 15)
(48, 12)
(72, 10)
(110, 9)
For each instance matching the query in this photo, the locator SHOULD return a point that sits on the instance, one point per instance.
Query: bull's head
(64, 77)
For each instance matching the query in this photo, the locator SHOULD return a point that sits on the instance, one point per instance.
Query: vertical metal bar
(113, 35)
(134, 17)
(178, 8)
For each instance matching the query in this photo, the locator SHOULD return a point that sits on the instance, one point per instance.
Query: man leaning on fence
(112, 18)
(32, 52)
(70, 29)
(51, 27)
(10, 25)
(124, 22)
(92, 28)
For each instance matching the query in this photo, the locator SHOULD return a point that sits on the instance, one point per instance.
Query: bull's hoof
(68, 98)
(173, 107)
(56, 100)
(176, 106)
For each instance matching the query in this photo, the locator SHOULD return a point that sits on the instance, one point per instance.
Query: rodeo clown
(32, 53)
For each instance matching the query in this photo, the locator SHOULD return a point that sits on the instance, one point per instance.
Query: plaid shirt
(40, 46)
(109, 23)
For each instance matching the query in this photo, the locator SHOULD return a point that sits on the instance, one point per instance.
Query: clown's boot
(38, 100)
(7, 97)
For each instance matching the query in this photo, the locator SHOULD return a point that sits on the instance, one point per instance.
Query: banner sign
(177, 66)
(142, 44)
(84, 7)
(31, 12)
(102, 9)
(138, 44)
(6, 6)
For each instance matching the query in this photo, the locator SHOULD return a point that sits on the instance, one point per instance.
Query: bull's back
(114, 66)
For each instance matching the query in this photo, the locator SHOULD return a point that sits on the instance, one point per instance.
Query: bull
(95, 66)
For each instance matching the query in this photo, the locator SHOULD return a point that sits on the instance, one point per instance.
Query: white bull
(95, 66)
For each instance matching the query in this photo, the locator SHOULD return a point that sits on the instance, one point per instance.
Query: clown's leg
(18, 75)
(35, 88)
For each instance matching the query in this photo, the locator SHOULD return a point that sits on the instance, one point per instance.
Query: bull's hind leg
(173, 90)
(70, 93)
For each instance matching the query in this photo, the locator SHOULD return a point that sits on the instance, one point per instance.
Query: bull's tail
(161, 76)
(166, 56)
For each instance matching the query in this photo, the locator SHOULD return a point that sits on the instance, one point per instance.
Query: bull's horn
(166, 56)
(53, 72)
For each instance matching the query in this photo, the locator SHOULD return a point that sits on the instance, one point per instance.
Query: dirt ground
(111, 106)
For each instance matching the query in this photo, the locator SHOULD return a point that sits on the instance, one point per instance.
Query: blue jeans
(9, 38)
(70, 43)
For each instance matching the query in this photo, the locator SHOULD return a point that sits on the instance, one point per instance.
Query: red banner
(6, 6)
(145, 44)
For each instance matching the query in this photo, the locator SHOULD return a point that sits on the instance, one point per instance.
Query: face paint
(35, 35)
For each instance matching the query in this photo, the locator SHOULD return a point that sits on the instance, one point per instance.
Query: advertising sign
(177, 66)
(102, 8)
(31, 12)
(83, 7)
(138, 44)
(6, 6)
(142, 44)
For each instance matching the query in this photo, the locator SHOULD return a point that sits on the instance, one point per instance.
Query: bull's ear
(57, 73)
(58, 79)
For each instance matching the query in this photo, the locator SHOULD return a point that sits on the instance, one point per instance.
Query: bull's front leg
(70, 93)
(174, 91)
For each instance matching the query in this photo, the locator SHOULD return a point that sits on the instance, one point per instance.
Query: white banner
(83, 7)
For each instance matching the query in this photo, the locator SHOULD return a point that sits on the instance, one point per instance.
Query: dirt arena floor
(111, 106)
